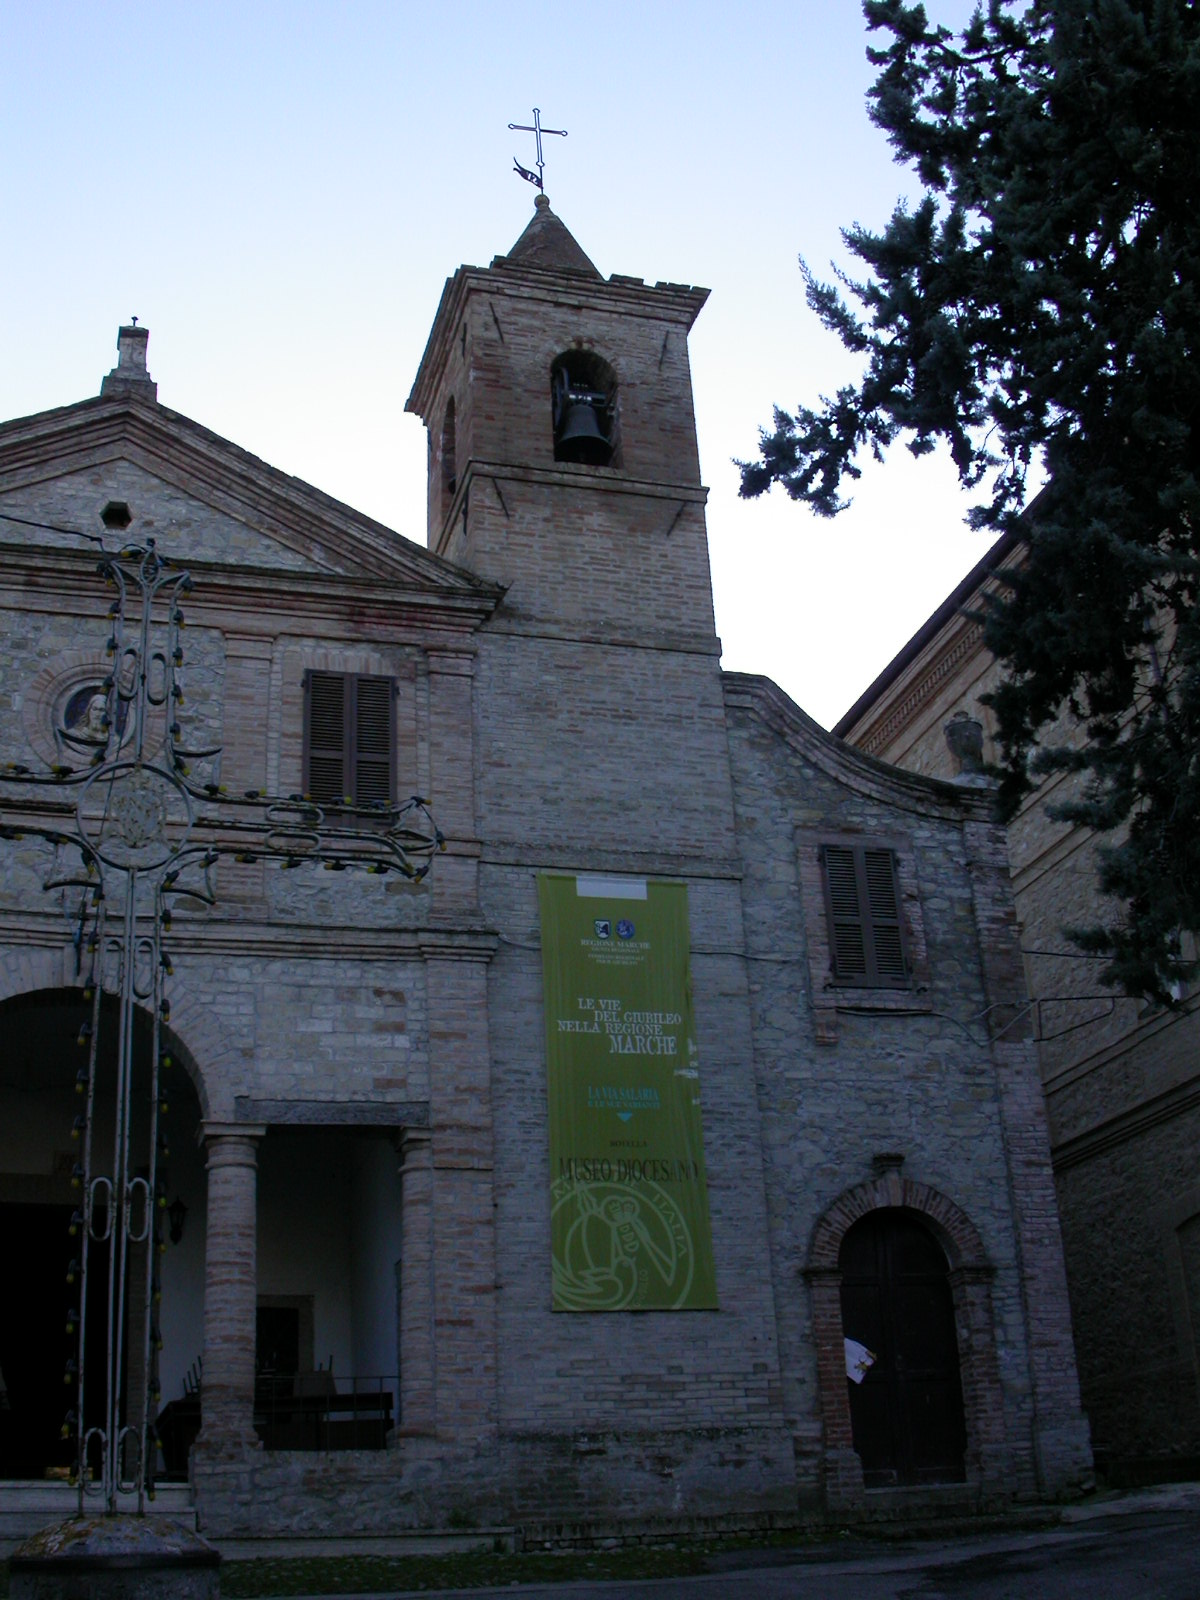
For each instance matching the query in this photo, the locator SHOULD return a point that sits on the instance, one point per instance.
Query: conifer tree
(1042, 304)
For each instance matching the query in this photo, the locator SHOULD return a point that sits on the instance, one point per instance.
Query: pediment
(184, 483)
(853, 769)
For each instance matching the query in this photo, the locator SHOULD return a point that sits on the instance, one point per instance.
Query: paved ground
(1131, 1547)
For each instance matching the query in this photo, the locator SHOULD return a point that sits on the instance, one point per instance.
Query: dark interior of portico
(43, 1102)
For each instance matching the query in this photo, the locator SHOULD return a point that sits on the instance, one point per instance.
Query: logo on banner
(620, 1245)
(625, 929)
(603, 928)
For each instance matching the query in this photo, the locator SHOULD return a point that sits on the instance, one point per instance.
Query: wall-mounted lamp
(176, 1213)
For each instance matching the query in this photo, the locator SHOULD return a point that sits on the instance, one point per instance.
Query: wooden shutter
(862, 898)
(349, 737)
(883, 902)
(325, 696)
(847, 941)
(371, 749)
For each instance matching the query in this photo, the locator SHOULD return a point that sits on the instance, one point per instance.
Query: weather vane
(534, 127)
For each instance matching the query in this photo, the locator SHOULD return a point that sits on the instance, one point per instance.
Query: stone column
(230, 1290)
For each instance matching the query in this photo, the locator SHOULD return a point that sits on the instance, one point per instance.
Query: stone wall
(939, 1079)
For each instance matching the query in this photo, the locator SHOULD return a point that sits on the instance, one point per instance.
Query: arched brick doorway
(985, 1466)
(906, 1412)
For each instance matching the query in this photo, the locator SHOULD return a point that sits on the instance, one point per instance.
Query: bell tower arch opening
(583, 393)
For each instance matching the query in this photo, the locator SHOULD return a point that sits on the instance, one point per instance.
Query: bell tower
(562, 441)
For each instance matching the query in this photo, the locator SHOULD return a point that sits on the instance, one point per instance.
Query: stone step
(26, 1506)
(429, 1542)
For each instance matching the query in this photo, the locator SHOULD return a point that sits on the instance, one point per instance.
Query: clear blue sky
(278, 191)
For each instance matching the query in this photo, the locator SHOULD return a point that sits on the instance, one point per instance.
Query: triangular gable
(256, 515)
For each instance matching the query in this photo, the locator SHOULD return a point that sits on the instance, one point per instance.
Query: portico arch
(43, 1100)
(970, 1277)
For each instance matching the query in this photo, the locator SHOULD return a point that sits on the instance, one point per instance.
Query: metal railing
(318, 1411)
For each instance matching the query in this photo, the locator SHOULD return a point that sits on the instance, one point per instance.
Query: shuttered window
(862, 899)
(349, 737)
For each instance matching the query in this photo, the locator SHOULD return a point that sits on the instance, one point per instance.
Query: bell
(581, 438)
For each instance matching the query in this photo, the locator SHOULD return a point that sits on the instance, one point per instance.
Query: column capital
(231, 1144)
(414, 1145)
(232, 1130)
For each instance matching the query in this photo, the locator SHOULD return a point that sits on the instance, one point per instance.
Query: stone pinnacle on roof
(130, 375)
(547, 243)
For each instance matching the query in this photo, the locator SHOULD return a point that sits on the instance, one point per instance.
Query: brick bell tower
(562, 440)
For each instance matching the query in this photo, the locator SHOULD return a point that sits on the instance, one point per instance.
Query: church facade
(375, 1318)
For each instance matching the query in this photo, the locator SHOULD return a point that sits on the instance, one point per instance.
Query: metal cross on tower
(535, 127)
(141, 829)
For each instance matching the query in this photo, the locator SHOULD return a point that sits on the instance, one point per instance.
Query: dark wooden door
(907, 1413)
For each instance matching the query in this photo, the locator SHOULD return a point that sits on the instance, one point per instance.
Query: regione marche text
(629, 1033)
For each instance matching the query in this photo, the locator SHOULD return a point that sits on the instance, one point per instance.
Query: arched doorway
(41, 1109)
(907, 1412)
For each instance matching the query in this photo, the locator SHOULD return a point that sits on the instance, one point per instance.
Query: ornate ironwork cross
(535, 127)
(144, 826)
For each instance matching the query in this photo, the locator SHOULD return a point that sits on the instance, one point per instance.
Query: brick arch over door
(971, 1273)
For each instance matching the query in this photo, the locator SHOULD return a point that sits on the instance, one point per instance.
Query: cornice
(1007, 551)
(277, 597)
(620, 296)
(528, 625)
(301, 1113)
(960, 640)
(267, 941)
(846, 765)
(1126, 1125)
(595, 480)
(554, 855)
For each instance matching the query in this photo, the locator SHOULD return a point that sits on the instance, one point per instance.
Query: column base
(122, 1557)
(232, 1443)
(844, 1489)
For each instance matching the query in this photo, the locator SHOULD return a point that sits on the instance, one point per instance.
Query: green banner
(629, 1222)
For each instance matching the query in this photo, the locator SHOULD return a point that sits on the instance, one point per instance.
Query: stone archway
(43, 1099)
(970, 1276)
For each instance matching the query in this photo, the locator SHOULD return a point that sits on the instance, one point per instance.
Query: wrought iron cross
(537, 130)
(146, 828)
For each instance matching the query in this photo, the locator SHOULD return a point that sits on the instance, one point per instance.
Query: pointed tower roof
(548, 243)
